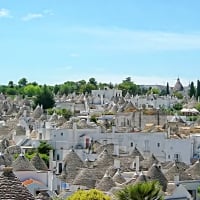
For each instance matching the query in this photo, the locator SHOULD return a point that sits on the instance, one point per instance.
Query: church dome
(178, 86)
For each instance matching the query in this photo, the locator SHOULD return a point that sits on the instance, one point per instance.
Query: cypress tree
(198, 89)
(167, 88)
(192, 90)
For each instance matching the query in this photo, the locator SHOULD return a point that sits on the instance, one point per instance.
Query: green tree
(31, 90)
(44, 148)
(11, 91)
(65, 113)
(88, 88)
(141, 191)
(198, 90)
(68, 87)
(11, 84)
(93, 82)
(22, 82)
(154, 91)
(92, 194)
(178, 106)
(178, 95)
(192, 90)
(45, 97)
(167, 88)
(163, 92)
(3, 89)
(197, 106)
(128, 86)
(56, 89)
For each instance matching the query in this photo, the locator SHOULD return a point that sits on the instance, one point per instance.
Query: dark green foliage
(11, 91)
(178, 95)
(68, 88)
(198, 89)
(192, 90)
(45, 98)
(93, 119)
(167, 89)
(22, 82)
(178, 106)
(141, 191)
(44, 148)
(163, 93)
(128, 86)
(11, 84)
(62, 112)
(197, 106)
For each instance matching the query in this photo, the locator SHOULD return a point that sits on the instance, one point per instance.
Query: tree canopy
(141, 191)
(92, 194)
(45, 98)
(128, 86)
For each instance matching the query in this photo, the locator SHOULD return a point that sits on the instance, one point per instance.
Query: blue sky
(53, 41)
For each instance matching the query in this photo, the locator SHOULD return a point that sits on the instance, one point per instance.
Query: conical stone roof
(86, 177)
(5, 159)
(142, 178)
(147, 163)
(104, 159)
(177, 169)
(118, 178)
(20, 130)
(39, 163)
(178, 86)
(155, 173)
(37, 112)
(135, 153)
(106, 183)
(72, 164)
(22, 164)
(12, 188)
(194, 170)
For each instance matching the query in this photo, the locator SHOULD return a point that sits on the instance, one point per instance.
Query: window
(177, 157)
(59, 168)
(61, 134)
(131, 144)
(158, 144)
(58, 157)
(128, 122)
(168, 156)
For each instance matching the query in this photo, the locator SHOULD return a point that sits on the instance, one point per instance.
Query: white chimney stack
(137, 161)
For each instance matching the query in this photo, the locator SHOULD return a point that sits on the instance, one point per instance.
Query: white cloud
(32, 16)
(115, 39)
(4, 13)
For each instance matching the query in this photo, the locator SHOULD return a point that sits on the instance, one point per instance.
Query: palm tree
(150, 190)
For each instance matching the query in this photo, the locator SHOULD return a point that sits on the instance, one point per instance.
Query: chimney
(168, 132)
(140, 119)
(116, 150)
(137, 161)
(113, 129)
(51, 159)
(117, 164)
(176, 179)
